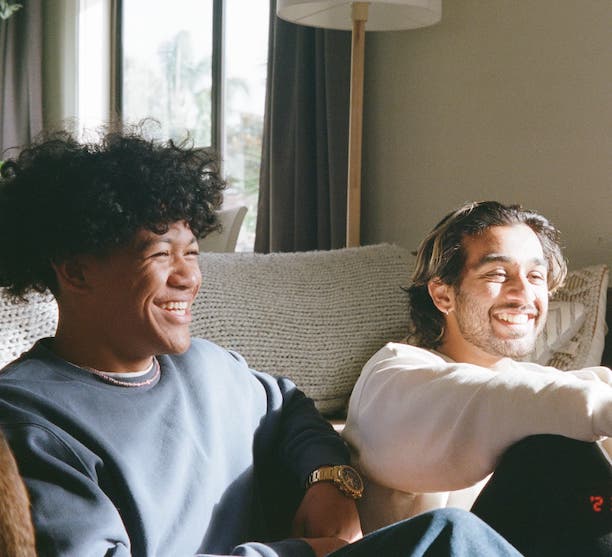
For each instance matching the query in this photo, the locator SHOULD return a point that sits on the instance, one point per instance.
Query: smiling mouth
(515, 318)
(177, 308)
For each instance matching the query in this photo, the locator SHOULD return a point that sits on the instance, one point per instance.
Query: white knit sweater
(419, 422)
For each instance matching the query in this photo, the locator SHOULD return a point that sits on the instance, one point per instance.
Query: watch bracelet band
(323, 474)
(332, 474)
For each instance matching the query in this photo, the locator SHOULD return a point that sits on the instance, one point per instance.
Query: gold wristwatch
(345, 478)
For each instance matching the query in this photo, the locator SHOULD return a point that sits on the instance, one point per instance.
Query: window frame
(217, 69)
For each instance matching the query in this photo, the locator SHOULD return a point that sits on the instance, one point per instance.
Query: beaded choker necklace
(110, 379)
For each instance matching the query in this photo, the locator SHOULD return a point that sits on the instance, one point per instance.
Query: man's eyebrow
(144, 244)
(499, 258)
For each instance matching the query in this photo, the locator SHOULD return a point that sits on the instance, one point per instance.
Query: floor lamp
(375, 15)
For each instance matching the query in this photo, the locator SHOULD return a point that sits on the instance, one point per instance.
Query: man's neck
(94, 355)
(464, 352)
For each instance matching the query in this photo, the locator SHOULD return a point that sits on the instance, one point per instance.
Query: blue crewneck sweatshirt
(179, 464)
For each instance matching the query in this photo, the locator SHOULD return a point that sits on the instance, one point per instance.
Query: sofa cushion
(22, 324)
(586, 286)
(564, 321)
(315, 317)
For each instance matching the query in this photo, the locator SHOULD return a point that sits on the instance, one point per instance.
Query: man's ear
(71, 274)
(442, 295)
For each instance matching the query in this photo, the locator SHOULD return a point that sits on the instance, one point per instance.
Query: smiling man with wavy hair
(440, 414)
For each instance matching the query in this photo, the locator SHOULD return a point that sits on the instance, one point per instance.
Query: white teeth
(514, 318)
(176, 307)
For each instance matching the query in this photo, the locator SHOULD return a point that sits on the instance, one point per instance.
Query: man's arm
(326, 519)
(304, 441)
(418, 423)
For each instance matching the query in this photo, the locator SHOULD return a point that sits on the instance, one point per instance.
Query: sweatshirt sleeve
(418, 423)
(301, 438)
(307, 440)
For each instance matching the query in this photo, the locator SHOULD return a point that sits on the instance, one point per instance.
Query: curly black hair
(60, 198)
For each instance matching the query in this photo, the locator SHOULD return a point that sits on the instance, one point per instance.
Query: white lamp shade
(383, 15)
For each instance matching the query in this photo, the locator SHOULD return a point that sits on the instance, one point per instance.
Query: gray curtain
(21, 112)
(302, 189)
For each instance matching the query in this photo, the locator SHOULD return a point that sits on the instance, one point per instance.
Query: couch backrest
(22, 324)
(316, 317)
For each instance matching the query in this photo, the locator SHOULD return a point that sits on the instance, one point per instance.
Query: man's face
(142, 294)
(501, 303)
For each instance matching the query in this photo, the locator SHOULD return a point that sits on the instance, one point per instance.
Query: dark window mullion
(218, 74)
(116, 60)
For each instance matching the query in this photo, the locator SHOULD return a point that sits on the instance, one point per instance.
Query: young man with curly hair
(442, 414)
(131, 437)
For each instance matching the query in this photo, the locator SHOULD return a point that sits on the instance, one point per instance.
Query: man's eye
(497, 276)
(537, 277)
(195, 252)
(160, 254)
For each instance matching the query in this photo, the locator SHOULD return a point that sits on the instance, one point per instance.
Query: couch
(317, 317)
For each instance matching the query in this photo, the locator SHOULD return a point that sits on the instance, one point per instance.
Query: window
(167, 71)
(196, 66)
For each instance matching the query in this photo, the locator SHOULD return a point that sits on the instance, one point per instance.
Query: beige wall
(504, 99)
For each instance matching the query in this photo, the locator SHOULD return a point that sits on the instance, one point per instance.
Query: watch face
(351, 479)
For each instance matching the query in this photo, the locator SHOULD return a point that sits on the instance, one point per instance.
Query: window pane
(246, 52)
(167, 51)
(93, 69)
(167, 75)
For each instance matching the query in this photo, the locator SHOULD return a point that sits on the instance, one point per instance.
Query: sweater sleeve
(418, 423)
(301, 437)
(307, 440)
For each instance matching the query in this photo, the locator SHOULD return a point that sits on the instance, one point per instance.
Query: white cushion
(315, 317)
(564, 321)
(587, 286)
(22, 324)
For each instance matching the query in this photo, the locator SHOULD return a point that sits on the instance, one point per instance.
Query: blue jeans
(440, 533)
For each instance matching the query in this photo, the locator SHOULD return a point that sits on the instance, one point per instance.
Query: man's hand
(328, 518)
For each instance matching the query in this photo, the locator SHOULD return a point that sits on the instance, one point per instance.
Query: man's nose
(185, 274)
(519, 288)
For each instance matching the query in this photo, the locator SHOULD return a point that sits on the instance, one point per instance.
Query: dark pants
(551, 496)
